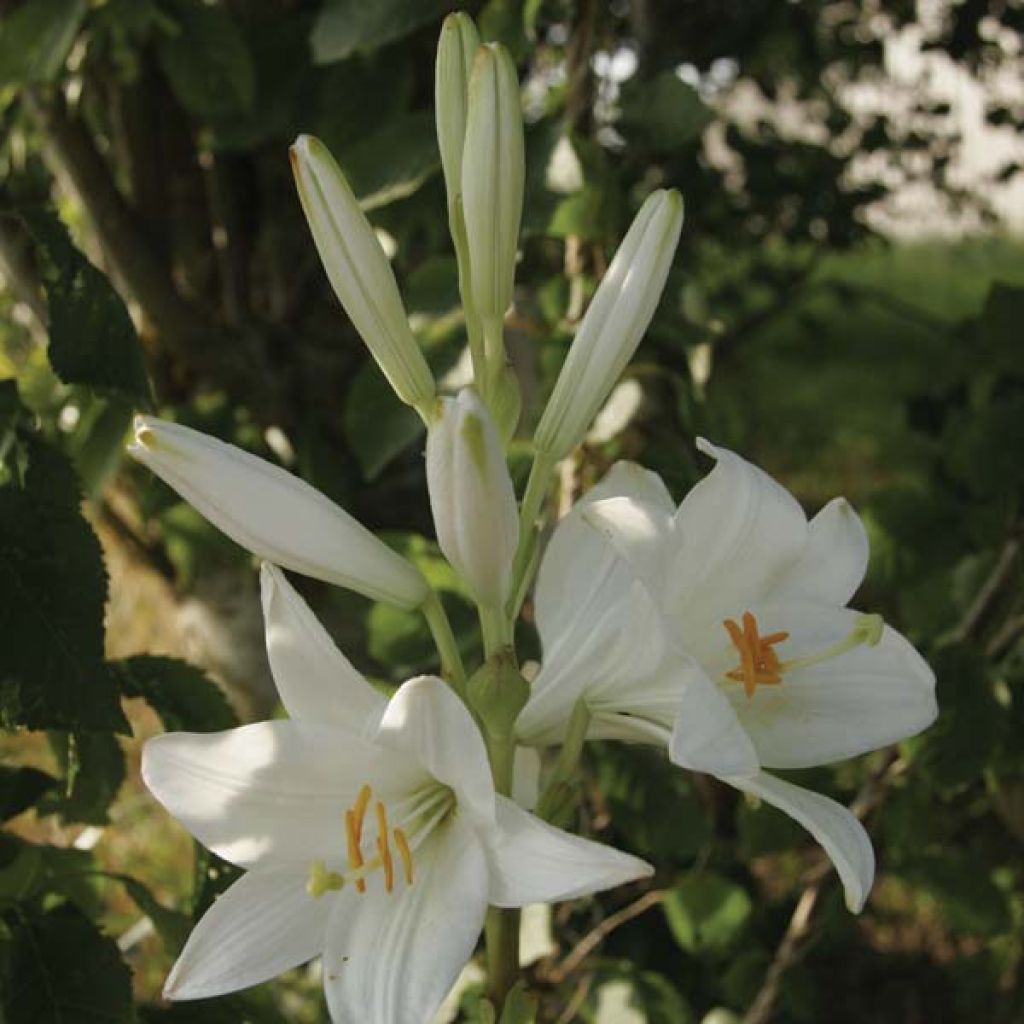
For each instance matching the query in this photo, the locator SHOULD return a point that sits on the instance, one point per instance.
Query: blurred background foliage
(845, 309)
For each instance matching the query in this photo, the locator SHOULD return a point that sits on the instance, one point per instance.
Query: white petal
(580, 572)
(425, 720)
(533, 862)
(612, 656)
(708, 737)
(834, 559)
(317, 683)
(858, 701)
(273, 792)
(264, 924)
(835, 828)
(736, 532)
(274, 514)
(392, 957)
(472, 498)
(641, 534)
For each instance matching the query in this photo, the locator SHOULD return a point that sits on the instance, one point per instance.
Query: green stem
(494, 352)
(444, 639)
(553, 799)
(501, 926)
(496, 629)
(533, 498)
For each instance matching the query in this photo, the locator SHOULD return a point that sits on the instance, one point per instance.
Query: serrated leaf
(344, 26)
(59, 968)
(53, 587)
(182, 695)
(20, 788)
(378, 426)
(35, 39)
(92, 338)
(208, 61)
(707, 913)
(93, 764)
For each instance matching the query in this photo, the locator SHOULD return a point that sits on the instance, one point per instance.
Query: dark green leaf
(393, 162)
(53, 587)
(92, 338)
(707, 913)
(378, 426)
(93, 765)
(966, 895)
(60, 969)
(171, 925)
(35, 39)
(345, 26)
(663, 113)
(35, 873)
(208, 61)
(956, 749)
(183, 696)
(20, 788)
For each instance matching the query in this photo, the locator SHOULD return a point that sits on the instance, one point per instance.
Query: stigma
(760, 665)
(359, 868)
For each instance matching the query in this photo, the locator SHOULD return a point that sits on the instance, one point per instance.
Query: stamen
(759, 664)
(383, 849)
(355, 855)
(405, 853)
(322, 881)
(359, 810)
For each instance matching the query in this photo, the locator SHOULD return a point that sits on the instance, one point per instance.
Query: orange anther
(759, 664)
(405, 853)
(355, 855)
(359, 810)
(383, 848)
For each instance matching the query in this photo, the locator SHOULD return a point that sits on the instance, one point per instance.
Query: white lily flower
(359, 271)
(273, 514)
(472, 497)
(613, 325)
(768, 667)
(370, 831)
(493, 173)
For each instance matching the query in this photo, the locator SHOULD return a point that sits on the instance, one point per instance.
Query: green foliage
(35, 39)
(707, 913)
(53, 587)
(58, 967)
(663, 113)
(92, 339)
(20, 788)
(93, 767)
(183, 696)
(207, 61)
(344, 27)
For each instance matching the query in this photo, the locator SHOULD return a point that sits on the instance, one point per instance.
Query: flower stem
(501, 926)
(496, 629)
(560, 787)
(533, 498)
(444, 639)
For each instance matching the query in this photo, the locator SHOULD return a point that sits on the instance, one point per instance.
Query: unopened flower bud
(613, 324)
(497, 692)
(456, 50)
(359, 271)
(493, 171)
(274, 514)
(472, 497)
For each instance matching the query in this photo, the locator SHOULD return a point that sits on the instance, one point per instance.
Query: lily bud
(359, 271)
(613, 324)
(497, 692)
(493, 171)
(274, 514)
(456, 50)
(472, 497)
